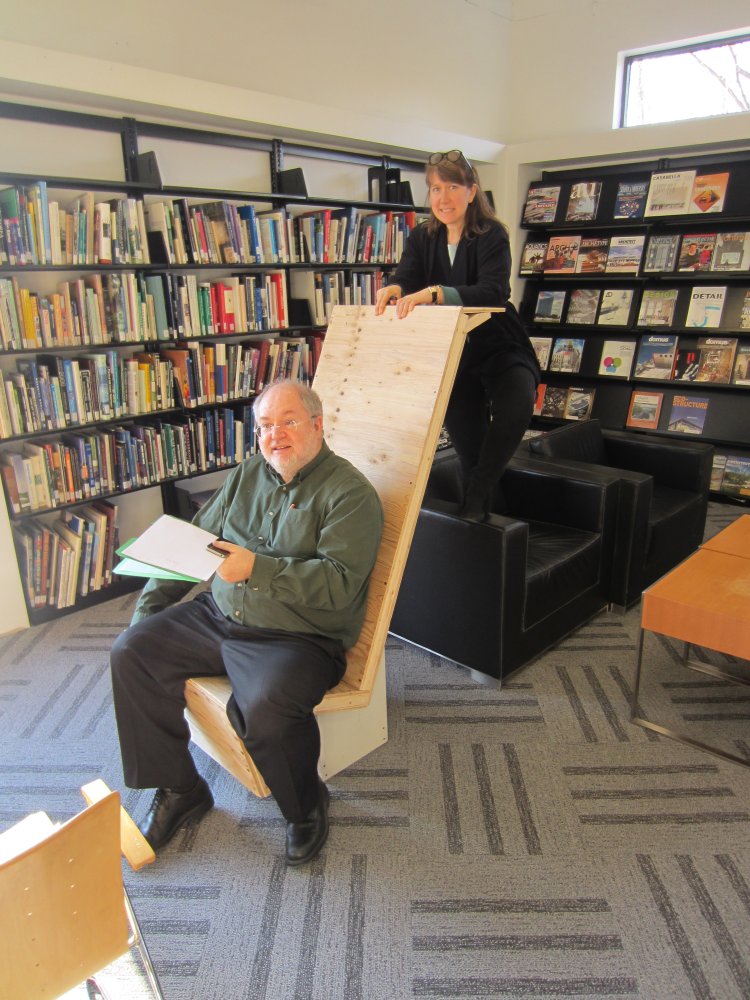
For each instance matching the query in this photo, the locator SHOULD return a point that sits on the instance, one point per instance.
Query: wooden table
(734, 539)
(705, 601)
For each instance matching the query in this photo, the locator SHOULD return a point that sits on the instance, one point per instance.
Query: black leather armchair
(492, 596)
(663, 496)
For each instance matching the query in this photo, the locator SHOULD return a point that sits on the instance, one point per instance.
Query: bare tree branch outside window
(697, 81)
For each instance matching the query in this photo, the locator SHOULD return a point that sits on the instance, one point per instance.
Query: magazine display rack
(637, 300)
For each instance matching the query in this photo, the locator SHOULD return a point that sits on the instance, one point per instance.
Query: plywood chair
(65, 914)
(384, 383)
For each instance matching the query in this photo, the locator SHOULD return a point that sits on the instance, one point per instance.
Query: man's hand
(238, 565)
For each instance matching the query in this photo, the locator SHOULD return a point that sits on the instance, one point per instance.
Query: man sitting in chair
(301, 528)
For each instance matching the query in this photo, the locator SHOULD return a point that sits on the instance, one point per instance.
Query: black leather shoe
(170, 810)
(305, 839)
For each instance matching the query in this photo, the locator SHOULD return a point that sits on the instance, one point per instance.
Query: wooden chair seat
(384, 384)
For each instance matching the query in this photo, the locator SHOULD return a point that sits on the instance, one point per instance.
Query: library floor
(523, 842)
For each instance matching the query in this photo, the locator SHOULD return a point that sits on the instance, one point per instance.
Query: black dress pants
(486, 418)
(277, 679)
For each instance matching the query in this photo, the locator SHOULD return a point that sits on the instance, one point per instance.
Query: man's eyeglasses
(452, 156)
(286, 425)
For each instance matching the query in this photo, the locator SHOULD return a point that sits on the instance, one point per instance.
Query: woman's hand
(385, 296)
(405, 305)
(238, 565)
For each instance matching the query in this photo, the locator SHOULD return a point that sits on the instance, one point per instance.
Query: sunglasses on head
(452, 156)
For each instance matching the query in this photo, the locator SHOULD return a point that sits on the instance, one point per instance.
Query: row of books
(663, 193)
(221, 232)
(714, 360)
(121, 308)
(69, 557)
(56, 392)
(46, 475)
(730, 475)
(634, 253)
(87, 229)
(84, 230)
(322, 290)
(698, 308)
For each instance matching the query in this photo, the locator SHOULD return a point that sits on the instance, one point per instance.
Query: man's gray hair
(308, 397)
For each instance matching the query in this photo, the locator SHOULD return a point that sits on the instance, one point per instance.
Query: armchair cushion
(662, 503)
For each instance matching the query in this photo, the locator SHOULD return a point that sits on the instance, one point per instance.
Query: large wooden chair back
(63, 914)
(384, 383)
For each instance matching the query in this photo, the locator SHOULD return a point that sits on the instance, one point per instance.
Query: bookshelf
(137, 322)
(637, 297)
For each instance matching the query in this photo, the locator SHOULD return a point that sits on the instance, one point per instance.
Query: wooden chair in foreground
(65, 914)
(384, 384)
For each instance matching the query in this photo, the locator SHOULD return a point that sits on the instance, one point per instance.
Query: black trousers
(486, 417)
(277, 679)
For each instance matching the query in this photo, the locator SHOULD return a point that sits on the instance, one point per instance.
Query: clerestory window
(698, 80)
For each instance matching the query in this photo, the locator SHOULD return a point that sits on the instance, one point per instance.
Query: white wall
(417, 75)
(565, 55)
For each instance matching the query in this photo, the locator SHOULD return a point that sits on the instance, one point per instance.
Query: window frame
(630, 58)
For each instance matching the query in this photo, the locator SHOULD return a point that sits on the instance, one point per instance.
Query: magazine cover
(718, 464)
(744, 323)
(583, 201)
(542, 348)
(562, 252)
(656, 356)
(567, 354)
(617, 358)
(741, 372)
(661, 253)
(732, 252)
(716, 359)
(532, 258)
(709, 192)
(541, 391)
(686, 364)
(615, 307)
(706, 307)
(582, 306)
(554, 401)
(644, 410)
(736, 481)
(592, 255)
(688, 414)
(578, 404)
(670, 193)
(549, 306)
(696, 251)
(625, 254)
(541, 203)
(630, 200)
(657, 307)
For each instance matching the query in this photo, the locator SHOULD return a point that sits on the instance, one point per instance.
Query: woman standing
(461, 256)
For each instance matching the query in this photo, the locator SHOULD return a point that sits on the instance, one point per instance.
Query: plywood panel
(384, 383)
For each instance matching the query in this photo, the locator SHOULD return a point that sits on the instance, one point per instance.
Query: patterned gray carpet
(529, 842)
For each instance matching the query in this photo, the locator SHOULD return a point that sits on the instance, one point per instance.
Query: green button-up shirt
(315, 540)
